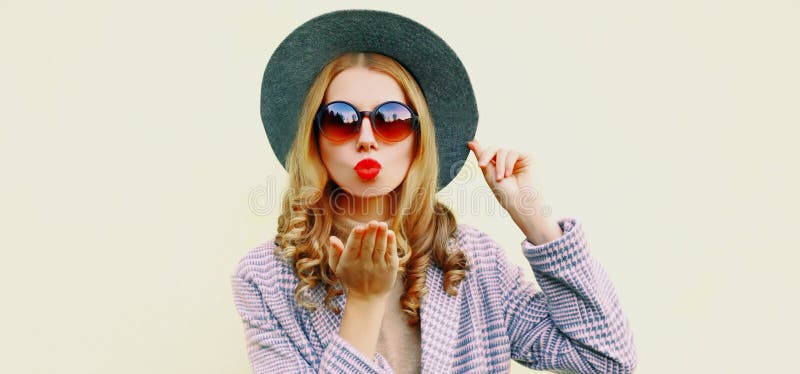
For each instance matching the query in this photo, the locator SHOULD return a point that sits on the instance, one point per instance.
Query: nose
(366, 138)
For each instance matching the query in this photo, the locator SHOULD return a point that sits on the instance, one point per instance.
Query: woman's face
(366, 89)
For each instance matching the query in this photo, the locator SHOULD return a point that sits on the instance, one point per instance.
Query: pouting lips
(368, 168)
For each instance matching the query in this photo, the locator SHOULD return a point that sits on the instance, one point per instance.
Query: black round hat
(437, 69)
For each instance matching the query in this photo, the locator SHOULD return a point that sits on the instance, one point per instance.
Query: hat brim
(434, 65)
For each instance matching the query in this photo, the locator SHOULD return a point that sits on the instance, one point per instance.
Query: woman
(368, 271)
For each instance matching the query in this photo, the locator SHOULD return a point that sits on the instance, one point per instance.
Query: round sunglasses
(392, 121)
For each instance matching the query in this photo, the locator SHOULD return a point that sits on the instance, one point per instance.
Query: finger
(487, 155)
(368, 243)
(353, 243)
(391, 249)
(511, 160)
(380, 243)
(337, 244)
(488, 172)
(525, 160)
(475, 147)
(500, 164)
(335, 250)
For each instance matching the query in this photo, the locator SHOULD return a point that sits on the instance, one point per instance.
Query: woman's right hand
(367, 265)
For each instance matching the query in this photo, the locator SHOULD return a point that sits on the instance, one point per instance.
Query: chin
(372, 188)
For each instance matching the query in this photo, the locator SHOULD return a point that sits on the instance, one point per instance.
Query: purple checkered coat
(573, 324)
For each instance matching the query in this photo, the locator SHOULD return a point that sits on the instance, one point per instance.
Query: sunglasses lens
(394, 121)
(338, 121)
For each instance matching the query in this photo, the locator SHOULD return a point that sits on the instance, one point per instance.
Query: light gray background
(134, 169)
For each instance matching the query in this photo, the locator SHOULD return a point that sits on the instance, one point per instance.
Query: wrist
(366, 301)
(537, 228)
(361, 323)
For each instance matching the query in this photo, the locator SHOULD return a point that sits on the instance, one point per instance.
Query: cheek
(409, 154)
(329, 154)
(406, 154)
(324, 154)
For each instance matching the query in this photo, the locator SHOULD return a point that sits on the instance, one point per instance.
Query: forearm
(581, 303)
(361, 323)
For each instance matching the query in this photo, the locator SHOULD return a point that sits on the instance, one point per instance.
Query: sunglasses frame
(365, 113)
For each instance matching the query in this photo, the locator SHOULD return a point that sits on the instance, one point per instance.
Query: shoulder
(472, 237)
(469, 235)
(476, 244)
(261, 266)
(484, 249)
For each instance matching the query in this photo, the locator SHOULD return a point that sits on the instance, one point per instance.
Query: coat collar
(439, 315)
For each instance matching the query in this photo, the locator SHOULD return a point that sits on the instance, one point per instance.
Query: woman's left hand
(508, 173)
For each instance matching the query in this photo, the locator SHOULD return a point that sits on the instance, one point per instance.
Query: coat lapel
(439, 315)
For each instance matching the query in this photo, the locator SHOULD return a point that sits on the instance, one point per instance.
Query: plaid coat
(574, 323)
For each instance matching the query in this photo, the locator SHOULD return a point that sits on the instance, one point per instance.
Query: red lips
(368, 168)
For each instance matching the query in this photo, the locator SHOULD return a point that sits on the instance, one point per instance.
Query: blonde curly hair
(424, 227)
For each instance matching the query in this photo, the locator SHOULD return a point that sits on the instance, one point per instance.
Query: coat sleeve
(270, 350)
(575, 322)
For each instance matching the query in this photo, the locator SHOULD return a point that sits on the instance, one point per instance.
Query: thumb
(334, 252)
